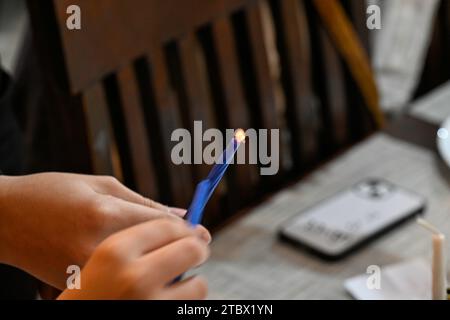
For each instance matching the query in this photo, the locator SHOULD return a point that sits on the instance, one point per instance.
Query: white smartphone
(337, 226)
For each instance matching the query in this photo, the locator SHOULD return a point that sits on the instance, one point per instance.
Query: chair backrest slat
(235, 108)
(265, 78)
(137, 133)
(357, 11)
(168, 119)
(335, 93)
(330, 84)
(302, 105)
(199, 103)
(102, 142)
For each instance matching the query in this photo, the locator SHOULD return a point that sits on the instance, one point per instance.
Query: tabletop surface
(249, 262)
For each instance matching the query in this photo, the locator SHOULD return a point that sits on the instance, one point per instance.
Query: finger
(193, 288)
(122, 214)
(178, 211)
(176, 258)
(131, 214)
(146, 237)
(204, 233)
(172, 210)
(136, 213)
(110, 185)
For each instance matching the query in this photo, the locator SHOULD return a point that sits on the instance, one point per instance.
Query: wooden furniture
(437, 67)
(137, 70)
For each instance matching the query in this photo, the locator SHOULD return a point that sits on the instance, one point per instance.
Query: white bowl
(443, 141)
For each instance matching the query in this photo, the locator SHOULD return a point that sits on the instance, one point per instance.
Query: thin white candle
(439, 263)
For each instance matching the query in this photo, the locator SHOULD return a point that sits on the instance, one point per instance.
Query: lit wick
(206, 187)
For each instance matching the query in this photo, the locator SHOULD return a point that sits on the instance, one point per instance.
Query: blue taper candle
(206, 187)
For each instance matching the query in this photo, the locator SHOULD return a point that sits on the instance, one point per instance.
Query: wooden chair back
(141, 69)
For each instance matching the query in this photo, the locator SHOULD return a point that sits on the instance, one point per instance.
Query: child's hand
(49, 221)
(142, 261)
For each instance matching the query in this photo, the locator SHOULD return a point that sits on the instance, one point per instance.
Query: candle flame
(239, 135)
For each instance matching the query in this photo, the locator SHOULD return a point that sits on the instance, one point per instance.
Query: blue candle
(205, 188)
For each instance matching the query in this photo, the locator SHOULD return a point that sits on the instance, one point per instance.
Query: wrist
(5, 212)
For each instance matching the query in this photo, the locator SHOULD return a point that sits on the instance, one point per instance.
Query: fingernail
(204, 236)
(178, 211)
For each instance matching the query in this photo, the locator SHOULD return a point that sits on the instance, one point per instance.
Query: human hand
(142, 261)
(49, 221)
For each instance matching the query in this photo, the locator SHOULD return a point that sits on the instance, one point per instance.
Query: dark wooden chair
(437, 66)
(139, 69)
